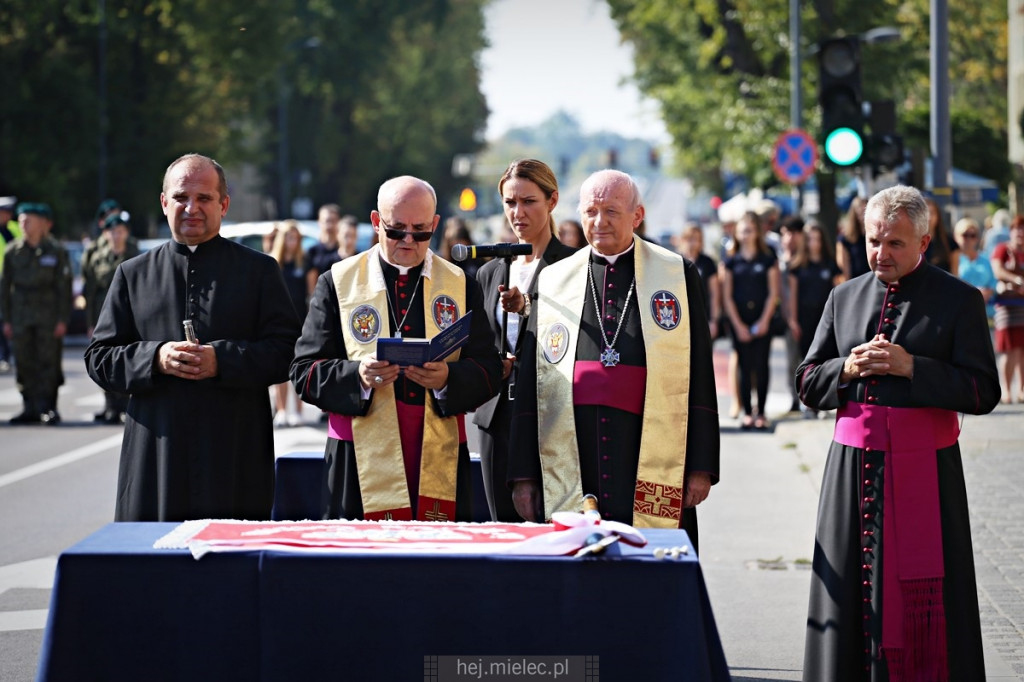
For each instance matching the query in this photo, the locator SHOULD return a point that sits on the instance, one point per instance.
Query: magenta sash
(410, 431)
(913, 613)
(621, 386)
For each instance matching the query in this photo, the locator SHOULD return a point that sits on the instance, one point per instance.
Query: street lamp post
(941, 142)
(283, 165)
(283, 95)
(102, 160)
(796, 100)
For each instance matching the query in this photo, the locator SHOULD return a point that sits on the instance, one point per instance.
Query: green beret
(39, 209)
(106, 206)
(119, 218)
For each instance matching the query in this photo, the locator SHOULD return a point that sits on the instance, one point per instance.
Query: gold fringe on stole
(440, 463)
(378, 447)
(660, 476)
(556, 419)
(660, 484)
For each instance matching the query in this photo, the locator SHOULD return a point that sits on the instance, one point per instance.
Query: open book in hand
(405, 352)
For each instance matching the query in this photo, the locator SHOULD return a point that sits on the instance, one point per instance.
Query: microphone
(461, 252)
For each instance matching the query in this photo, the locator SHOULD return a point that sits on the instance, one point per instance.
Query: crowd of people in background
(810, 264)
(571, 367)
(768, 277)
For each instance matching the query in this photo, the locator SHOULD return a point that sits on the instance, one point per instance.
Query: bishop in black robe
(609, 438)
(195, 449)
(941, 322)
(324, 376)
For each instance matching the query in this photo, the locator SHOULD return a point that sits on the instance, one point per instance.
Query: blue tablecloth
(299, 479)
(122, 610)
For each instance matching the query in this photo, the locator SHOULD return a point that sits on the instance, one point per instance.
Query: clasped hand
(878, 357)
(187, 360)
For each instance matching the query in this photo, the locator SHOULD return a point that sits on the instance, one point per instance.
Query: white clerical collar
(377, 274)
(611, 259)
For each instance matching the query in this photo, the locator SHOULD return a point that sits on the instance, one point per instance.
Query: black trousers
(753, 366)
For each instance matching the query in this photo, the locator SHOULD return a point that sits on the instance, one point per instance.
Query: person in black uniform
(750, 292)
(690, 245)
(529, 193)
(396, 446)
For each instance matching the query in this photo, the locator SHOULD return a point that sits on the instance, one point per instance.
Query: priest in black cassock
(619, 398)
(198, 440)
(899, 352)
(396, 446)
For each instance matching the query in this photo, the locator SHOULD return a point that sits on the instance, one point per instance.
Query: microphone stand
(504, 313)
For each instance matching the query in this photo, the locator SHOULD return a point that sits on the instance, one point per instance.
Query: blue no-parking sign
(795, 156)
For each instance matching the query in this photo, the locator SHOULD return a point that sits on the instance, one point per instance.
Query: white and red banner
(524, 539)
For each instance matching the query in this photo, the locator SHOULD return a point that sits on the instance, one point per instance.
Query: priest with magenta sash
(396, 446)
(899, 352)
(616, 396)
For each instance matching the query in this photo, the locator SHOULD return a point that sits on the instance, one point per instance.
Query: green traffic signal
(844, 147)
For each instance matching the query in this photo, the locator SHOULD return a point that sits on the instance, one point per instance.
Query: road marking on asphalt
(61, 460)
(299, 439)
(35, 574)
(11, 621)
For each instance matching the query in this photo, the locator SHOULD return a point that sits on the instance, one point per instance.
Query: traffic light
(839, 93)
(885, 147)
(467, 200)
(886, 151)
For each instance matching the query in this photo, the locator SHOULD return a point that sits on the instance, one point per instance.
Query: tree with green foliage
(720, 69)
(373, 88)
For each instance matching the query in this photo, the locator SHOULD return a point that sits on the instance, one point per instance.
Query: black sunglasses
(400, 235)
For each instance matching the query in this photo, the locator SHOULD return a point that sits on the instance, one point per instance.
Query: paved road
(757, 526)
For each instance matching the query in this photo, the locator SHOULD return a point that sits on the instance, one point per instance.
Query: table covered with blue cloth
(122, 610)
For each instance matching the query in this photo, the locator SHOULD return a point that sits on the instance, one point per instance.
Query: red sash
(913, 613)
(410, 430)
(621, 386)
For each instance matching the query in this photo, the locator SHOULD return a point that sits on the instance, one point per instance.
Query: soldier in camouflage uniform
(116, 246)
(107, 208)
(9, 231)
(35, 296)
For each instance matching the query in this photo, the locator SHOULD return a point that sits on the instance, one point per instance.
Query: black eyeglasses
(400, 235)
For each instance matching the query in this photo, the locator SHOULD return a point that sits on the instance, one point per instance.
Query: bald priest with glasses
(396, 446)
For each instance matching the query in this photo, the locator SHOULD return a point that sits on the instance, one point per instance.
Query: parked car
(251, 233)
(150, 244)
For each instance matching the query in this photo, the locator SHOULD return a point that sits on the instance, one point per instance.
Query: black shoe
(114, 417)
(103, 416)
(50, 417)
(26, 417)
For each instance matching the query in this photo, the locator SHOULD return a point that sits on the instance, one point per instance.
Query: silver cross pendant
(610, 357)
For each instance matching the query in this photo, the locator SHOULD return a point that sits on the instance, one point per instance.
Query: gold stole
(359, 282)
(658, 497)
